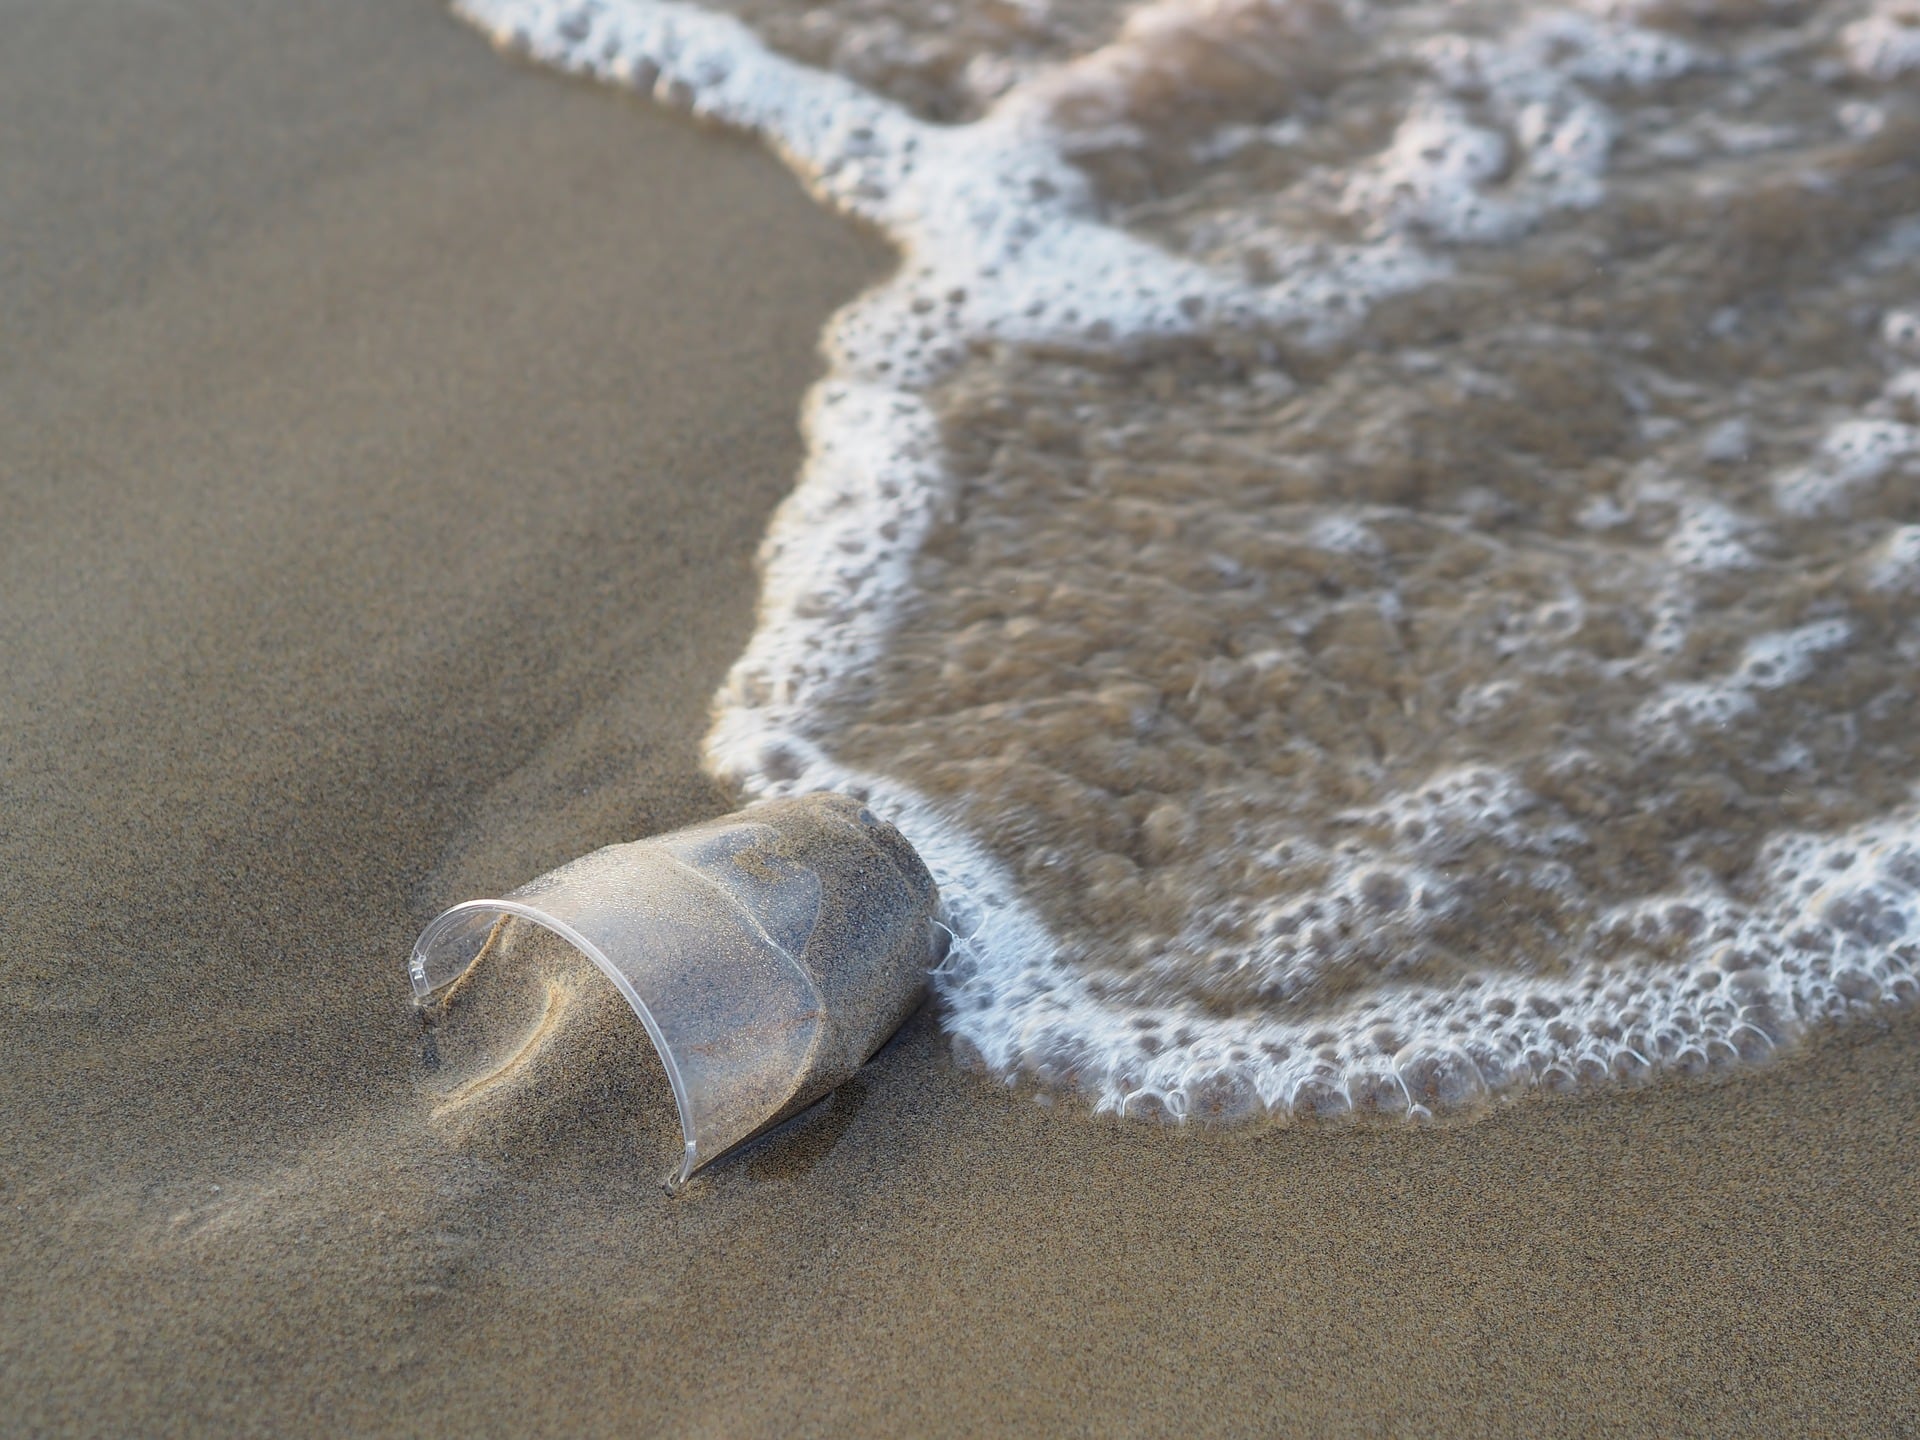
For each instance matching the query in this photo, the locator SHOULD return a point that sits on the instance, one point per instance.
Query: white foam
(1002, 241)
(1854, 456)
(1728, 442)
(1710, 538)
(1446, 175)
(1674, 718)
(1900, 331)
(1902, 393)
(1884, 44)
(1431, 176)
(1687, 982)
(1457, 807)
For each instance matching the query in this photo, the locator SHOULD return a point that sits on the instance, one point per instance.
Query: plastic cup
(768, 954)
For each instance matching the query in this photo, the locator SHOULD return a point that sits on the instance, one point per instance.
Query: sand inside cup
(535, 1055)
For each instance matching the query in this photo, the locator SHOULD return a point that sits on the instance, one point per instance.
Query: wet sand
(388, 432)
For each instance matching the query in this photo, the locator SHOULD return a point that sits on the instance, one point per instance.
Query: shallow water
(1375, 550)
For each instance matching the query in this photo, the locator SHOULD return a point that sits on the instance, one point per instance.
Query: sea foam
(1306, 710)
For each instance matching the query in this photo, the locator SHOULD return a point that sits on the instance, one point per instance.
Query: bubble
(1689, 1060)
(1060, 1063)
(1590, 1070)
(1148, 1105)
(1319, 1098)
(1752, 1043)
(1630, 1067)
(1856, 986)
(1559, 1079)
(1441, 1078)
(1224, 1097)
(1377, 1092)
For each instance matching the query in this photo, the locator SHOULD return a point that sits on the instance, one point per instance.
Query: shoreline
(382, 533)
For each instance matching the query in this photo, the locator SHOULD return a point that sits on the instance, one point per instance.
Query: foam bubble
(1709, 537)
(1902, 393)
(1769, 662)
(1900, 331)
(1855, 455)
(1884, 44)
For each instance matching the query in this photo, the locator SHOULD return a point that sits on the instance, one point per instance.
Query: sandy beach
(388, 432)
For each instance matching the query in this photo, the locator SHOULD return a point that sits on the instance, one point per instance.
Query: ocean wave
(1370, 547)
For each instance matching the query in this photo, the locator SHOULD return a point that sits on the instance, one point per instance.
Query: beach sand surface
(388, 431)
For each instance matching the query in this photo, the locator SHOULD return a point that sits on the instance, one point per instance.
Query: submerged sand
(389, 431)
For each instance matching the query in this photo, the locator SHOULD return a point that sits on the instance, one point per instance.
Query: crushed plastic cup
(769, 954)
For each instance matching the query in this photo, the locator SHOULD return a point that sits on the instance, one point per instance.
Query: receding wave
(1374, 549)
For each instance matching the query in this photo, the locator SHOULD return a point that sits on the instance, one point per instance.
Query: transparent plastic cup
(768, 954)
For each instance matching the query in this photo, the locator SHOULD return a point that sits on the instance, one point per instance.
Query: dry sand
(387, 433)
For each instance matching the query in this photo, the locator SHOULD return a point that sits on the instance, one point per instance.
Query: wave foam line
(1002, 241)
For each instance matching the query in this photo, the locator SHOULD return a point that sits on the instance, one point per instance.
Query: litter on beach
(768, 954)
